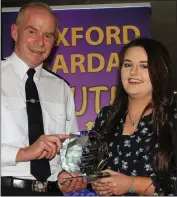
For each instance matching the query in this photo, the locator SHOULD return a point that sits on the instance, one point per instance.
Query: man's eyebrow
(50, 33)
(31, 27)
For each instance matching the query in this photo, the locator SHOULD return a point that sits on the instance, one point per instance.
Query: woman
(139, 126)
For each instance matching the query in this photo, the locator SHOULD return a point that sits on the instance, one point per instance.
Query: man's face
(34, 36)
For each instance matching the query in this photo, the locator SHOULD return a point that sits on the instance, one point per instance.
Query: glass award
(86, 154)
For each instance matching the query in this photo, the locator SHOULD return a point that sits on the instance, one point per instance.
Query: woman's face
(135, 74)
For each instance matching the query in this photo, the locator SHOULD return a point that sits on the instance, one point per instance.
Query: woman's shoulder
(101, 119)
(106, 108)
(104, 111)
(102, 115)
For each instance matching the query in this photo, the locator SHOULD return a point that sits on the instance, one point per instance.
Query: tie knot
(31, 72)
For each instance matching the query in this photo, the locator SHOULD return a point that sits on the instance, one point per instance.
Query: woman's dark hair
(161, 75)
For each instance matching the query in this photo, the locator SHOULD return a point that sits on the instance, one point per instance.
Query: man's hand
(46, 146)
(71, 186)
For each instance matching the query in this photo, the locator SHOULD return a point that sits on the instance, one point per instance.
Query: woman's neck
(137, 106)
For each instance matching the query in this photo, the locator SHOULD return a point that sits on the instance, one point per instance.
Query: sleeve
(173, 168)
(173, 162)
(10, 158)
(171, 183)
(8, 152)
(173, 180)
(71, 121)
(155, 183)
(172, 172)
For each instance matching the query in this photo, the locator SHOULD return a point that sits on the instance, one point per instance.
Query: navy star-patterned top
(133, 154)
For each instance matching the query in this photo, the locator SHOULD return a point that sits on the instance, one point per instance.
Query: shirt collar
(20, 67)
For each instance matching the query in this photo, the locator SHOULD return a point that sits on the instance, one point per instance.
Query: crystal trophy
(86, 155)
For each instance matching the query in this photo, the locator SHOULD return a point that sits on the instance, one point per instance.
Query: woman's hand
(116, 184)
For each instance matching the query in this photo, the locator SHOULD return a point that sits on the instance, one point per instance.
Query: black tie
(40, 169)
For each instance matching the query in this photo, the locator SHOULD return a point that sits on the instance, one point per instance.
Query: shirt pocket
(13, 104)
(54, 118)
(15, 108)
(14, 120)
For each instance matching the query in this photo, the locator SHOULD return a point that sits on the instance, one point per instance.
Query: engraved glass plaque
(86, 154)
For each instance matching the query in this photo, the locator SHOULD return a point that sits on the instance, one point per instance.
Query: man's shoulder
(4, 63)
(4, 60)
(46, 73)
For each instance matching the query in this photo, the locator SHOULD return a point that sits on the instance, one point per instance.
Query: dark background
(163, 20)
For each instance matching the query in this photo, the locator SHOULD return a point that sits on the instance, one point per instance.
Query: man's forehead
(36, 18)
(37, 11)
(37, 15)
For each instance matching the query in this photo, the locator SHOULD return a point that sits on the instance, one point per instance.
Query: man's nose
(41, 40)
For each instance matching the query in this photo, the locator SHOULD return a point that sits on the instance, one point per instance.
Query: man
(34, 33)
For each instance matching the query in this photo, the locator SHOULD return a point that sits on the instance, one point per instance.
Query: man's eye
(48, 36)
(31, 31)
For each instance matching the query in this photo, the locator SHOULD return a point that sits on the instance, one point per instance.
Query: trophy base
(92, 177)
(89, 178)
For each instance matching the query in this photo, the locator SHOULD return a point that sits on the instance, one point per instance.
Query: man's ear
(14, 31)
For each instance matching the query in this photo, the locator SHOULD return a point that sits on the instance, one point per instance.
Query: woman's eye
(144, 66)
(127, 65)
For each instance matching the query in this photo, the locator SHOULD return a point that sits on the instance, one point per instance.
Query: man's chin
(34, 64)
